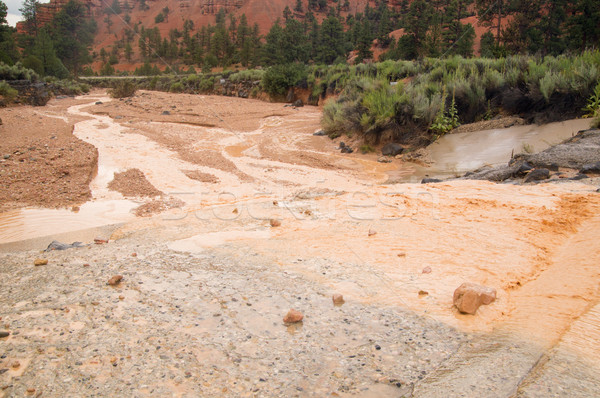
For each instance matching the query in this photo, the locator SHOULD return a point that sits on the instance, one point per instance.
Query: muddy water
(21, 224)
(455, 154)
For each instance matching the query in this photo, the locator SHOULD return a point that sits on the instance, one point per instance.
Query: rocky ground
(41, 162)
(259, 217)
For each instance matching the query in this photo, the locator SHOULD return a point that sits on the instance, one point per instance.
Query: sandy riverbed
(200, 308)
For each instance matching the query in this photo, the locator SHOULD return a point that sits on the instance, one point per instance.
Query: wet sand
(184, 312)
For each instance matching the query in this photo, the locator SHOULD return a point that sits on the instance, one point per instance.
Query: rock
(4, 333)
(121, 297)
(383, 159)
(133, 254)
(115, 280)
(118, 117)
(593, 168)
(320, 133)
(100, 241)
(56, 245)
(30, 390)
(538, 175)
(430, 180)
(16, 365)
(338, 299)
(423, 293)
(293, 316)
(298, 103)
(98, 102)
(391, 149)
(427, 270)
(275, 223)
(342, 144)
(468, 297)
(40, 261)
(372, 232)
(165, 113)
(524, 169)
(347, 149)
(402, 254)
(6, 157)
(580, 176)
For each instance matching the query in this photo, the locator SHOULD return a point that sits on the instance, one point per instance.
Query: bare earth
(208, 281)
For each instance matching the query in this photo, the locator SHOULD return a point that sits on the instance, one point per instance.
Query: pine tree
(29, 13)
(332, 41)
(298, 6)
(491, 13)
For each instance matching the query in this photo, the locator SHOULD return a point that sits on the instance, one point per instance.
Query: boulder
(524, 169)
(468, 297)
(320, 133)
(347, 149)
(391, 150)
(298, 103)
(538, 175)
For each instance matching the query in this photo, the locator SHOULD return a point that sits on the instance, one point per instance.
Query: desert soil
(208, 281)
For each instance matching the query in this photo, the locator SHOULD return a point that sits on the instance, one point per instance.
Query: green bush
(7, 91)
(278, 79)
(17, 72)
(123, 88)
(176, 87)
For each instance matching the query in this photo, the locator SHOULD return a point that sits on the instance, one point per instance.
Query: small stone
(372, 232)
(30, 390)
(293, 316)
(468, 297)
(423, 293)
(427, 270)
(98, 102)
(121, 297)
(338, 299)
(275, 223)
(235, 211)
(4, 333)
(113, 360)
(115, 280)
(86, 265)
(384, 159)
(133, 254)
(320, 133)
(275, 203)
(16, 364)
(40, 261)
(100, 241)
(165, 113)
(402, 254)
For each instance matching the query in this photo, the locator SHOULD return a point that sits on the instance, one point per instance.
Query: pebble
(427, 270)
(100, 241)
(30, 390)
(40, 261)
(133, 254)
(293, 316)
(275, 223)
(4, 333)
(16, 364)
(121, 297)
(338, 299)
(86, 265)
(115, 280)
(372, 232)
(423, 293)
(401, 254)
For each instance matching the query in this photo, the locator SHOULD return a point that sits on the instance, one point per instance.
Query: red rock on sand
(468, 297)
(293, 316)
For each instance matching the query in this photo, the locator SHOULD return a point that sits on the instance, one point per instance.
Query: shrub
(366, 148)
(592, 108)
(278, 79)
(176, 87)
(123, 88)
(17, 72)
(7, 91)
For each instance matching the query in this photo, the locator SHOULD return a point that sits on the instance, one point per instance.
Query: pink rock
(470, 296)
(427, 270)
(372, 232)
(275, 223)
(293, 316)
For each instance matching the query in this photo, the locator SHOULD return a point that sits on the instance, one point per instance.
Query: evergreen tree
(584, 25)
(273, 48)
(491, 13)
(29, 13)
(8, 50)
(332, 41)
(298, 6)
(418, 22)
(43, 50)
(73, 34)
